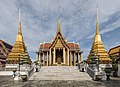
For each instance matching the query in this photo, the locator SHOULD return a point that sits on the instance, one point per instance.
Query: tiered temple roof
(115, 53)
(71, 45)
(115, 50)
(5, 48)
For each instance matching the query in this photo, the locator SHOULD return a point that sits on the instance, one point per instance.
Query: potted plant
(114, 65)
(98, 77)
(115, 69)
(108, 70)
(24, 77)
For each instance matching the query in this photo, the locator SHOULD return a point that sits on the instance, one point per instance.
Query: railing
(7, 69)
(90, 72)
(94, 72)
(31, 71)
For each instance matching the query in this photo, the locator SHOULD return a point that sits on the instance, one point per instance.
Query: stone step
(60, 73)
(59, 69)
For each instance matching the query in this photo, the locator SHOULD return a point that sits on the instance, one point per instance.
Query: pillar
(50, 57)
(43, 58)
(80, 57)
(74, 59)
(68, 57)
(54, 57)
(63, 55)
(39, 57)
(47, 58)
(36, 56)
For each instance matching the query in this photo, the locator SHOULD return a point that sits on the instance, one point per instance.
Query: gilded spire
(59, 26)
(97, 25)
(97, 37)
(19, 24)
(98, 47)
(18, 48)
(19, 36)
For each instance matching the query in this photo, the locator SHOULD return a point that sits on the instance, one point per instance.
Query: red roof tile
(73, 46)
(47, 45)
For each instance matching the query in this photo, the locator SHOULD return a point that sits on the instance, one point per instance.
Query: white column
(63, 55)
(50, 57)
(47, 58)
(74, 59)
(54, 57)
(80, 57)
(68, 57)
(39, 57)
(43, 59)
(36, 56)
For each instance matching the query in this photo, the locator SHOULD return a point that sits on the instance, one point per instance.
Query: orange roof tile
(73, 46)
(47, 45)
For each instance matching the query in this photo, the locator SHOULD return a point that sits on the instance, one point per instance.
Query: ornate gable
(59, 41)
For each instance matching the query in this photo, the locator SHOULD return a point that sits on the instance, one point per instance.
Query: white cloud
(39, 19)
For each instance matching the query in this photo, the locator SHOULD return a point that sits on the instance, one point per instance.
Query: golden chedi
(98, 48)
(18, 49)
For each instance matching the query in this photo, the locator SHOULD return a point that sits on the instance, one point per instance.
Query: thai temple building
(98, 49)
(114, 51)
(5, 49)
(59, 51)
(19, 51)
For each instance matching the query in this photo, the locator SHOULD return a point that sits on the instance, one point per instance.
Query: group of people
(82, 66)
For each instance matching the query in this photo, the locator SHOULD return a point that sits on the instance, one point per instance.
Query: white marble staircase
(60, 73)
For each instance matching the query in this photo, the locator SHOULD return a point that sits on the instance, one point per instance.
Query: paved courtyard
(59, 77)
(8, 82)
(60, 73)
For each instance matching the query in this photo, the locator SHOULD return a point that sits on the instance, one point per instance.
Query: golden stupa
(98, 49)
(19, 49)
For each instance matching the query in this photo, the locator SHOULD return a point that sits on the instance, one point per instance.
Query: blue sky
(39, 22)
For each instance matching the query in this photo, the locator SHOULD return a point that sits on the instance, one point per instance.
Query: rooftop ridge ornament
(59, 25)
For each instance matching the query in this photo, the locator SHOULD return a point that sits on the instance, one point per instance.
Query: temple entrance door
(59, 56)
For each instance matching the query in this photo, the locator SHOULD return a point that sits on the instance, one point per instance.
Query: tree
(114, 65)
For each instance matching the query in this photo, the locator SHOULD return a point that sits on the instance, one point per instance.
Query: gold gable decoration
(59, 40)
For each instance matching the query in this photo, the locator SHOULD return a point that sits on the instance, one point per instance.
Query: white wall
(6, 73)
